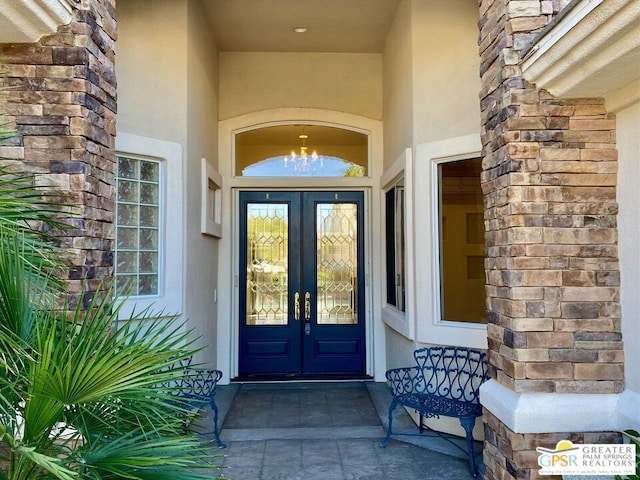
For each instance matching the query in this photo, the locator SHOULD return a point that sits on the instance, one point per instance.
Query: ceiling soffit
(590, 53)
(349, 26)
(26, 21)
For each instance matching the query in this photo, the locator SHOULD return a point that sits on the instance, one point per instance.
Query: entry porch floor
(324, 431)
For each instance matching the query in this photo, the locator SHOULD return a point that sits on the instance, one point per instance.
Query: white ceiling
(354, 26)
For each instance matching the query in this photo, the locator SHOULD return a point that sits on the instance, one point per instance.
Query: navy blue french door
(301, 284)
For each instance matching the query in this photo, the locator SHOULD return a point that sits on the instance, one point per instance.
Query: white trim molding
(590, 52)
(211, 200)
(170, 298)
(430, 327)
(560, 412)
(401, 322)
(25, 21)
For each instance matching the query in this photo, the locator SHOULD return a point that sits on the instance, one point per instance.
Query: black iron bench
(197, 388)
(445, 381)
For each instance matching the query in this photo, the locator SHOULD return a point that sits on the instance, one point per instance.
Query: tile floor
(320, 431)
(343, 459)
(302, 405)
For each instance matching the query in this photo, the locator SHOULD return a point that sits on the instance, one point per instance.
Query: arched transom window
(301, 150)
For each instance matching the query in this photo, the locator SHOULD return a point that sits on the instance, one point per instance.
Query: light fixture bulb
(304, 161)
(300, 29)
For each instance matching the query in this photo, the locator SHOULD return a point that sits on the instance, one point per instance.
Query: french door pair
(301, 284)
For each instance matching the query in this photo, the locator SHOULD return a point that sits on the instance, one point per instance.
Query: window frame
(170, 298)
(431, 328)
(160, 226)
(395, 244)
(401, 321)
(439, 240)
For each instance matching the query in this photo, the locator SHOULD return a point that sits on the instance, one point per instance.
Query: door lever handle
(296, 306)
(307, 306)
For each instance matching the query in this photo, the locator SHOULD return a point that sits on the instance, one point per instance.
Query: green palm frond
(25, 205)
(24, 286)
(144, 457)
(26, 462)
(31, 212)
(83, 362)
(115, 417)
(6, 130)
(634, 438)
(39, 465)
(82, 394)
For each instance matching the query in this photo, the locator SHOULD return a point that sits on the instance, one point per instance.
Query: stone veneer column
(61, 92)
(549, 180)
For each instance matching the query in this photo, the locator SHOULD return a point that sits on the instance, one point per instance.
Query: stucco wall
(201, 255)
(430, 74)
(251, 82)
(398, 85)
(431, 88)
(167, 85)
(430, 85)
(628, 142)
(445, 69)
(151, 68)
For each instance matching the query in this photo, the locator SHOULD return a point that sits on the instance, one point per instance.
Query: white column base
(561, 412)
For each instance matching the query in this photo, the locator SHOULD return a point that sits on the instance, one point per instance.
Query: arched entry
(234, 297)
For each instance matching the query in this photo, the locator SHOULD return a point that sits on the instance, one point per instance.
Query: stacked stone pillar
(61, 94)
(549, 181)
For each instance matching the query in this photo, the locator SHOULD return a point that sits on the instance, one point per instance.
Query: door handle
(307, 306)
(296, 306)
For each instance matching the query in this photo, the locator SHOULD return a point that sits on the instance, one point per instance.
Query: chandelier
(302, 162)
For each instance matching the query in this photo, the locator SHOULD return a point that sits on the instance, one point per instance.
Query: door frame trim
(368, 317)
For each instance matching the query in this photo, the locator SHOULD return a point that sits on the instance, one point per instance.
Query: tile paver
(320, 432)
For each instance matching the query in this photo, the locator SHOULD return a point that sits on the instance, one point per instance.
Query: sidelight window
(395, 244)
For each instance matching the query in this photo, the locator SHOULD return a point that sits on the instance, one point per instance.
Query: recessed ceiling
(350, 26)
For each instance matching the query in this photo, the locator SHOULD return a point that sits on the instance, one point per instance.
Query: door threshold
(301, 379)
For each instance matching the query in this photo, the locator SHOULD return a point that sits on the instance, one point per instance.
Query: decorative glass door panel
(337, 263)
(301, 284)
(267, 264)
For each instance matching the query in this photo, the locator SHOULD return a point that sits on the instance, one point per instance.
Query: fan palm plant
(79, 398)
